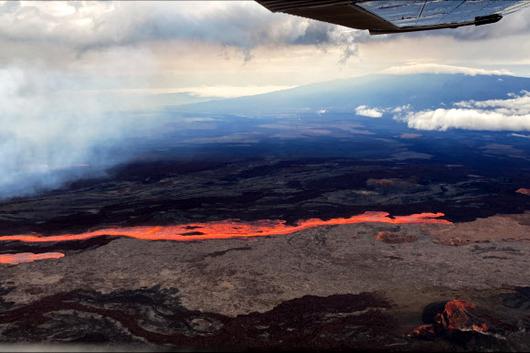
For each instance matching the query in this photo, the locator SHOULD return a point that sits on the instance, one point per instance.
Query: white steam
(50, 130)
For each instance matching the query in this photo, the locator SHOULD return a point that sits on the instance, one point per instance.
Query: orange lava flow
(24, 257)
(227, 229)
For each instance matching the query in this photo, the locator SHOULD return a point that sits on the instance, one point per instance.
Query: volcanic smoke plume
(54, 131)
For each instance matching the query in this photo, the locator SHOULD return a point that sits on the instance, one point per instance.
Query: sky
(228, 48)
(70, 70)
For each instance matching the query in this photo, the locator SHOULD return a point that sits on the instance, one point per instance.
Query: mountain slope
(420, 90)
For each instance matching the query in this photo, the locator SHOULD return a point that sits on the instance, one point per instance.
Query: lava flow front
(19, 258)
(227, 229)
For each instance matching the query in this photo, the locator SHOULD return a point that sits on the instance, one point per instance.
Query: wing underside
(395, 16)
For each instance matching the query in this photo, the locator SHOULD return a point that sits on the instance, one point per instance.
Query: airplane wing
(396, 16)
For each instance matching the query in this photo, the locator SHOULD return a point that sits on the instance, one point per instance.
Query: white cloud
(200, 91)
(467, 119)
(89, 24)
(364, 110)
(402, 108)
(511, 114)
(232, 91)
(441, 69)
(517, 105)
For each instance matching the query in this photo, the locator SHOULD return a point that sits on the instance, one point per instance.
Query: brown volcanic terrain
(340, 276)
(484, 230)
(218, 281)
(237, 276)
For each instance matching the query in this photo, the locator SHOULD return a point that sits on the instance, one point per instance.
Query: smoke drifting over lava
(52, 131)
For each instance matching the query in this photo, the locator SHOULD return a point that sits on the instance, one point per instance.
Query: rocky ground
(370, 286)
(337, 288)
(167, 193)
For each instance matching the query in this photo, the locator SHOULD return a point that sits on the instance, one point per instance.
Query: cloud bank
(244, 23)
(420, 68)
(92, 25)
(512, 114)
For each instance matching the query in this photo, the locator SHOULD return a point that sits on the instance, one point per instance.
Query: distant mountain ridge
(422, 91)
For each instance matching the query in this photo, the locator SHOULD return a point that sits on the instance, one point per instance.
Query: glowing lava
(457, 317)
(24, 257)
(523, 191)
(227, 229)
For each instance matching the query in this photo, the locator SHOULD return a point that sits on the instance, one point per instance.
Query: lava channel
(227, 229)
